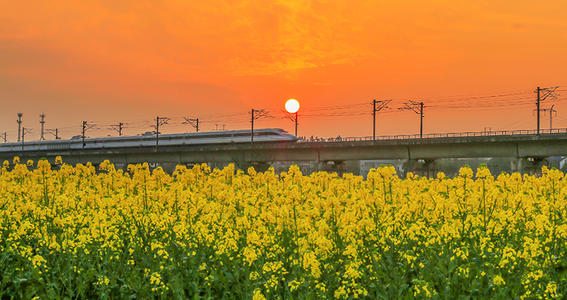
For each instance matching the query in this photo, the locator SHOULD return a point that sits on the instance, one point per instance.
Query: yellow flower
(483, 172)
(155, 279)
(258, 295)
(466, 172)
(551, 291)
(498, 280)
(301, 230)
(249, 255)
(102, 281)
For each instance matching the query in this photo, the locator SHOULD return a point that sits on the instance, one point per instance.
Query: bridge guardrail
(435, 135)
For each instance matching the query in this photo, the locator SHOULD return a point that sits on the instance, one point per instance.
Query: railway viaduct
(526, 152)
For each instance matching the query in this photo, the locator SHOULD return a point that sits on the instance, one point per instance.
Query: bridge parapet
(437, 136)
(341, 153)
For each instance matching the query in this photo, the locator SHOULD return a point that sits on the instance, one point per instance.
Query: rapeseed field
(85, 232)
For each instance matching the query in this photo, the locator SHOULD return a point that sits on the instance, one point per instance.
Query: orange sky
(129, 60)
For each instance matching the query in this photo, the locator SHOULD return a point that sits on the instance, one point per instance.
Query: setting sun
(292, 106)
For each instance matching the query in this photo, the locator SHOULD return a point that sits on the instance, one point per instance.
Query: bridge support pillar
(422, 167)
(529, 165)
(332, 166)
(259, 166)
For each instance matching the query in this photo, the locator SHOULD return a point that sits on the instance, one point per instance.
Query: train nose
(291, 137)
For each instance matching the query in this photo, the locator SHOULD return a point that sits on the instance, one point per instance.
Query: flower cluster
(103, 232)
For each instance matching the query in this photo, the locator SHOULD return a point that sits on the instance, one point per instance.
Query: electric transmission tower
(543, 94)
(193, 122)
(20, 115)
(256, 114)
(118, 128)
(4, 137)
(160, 121)
(416, 107)
(376, 107)
(42, 122)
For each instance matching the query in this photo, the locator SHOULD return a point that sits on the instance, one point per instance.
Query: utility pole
(24, 132)
(294, 118)
(252, 126)
(296, 122)
(86, 126)
(416, 107)
(551, 110)
(192, 122)
(118, 128)
(54, 132)
(160, 121)
(42, 122)
(19, 125)
(256, 114)
(542, 95)
(421, 119)
(376, 107)
(538, 91)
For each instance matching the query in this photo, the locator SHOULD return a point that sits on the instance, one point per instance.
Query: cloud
(238, 53)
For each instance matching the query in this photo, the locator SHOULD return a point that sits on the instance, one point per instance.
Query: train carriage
(178, 139)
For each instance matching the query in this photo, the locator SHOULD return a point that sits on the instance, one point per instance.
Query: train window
(256, 133)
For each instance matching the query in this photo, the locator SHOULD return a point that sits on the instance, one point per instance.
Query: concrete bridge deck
(522, 146)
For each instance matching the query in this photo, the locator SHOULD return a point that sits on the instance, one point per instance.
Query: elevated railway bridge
(526, 151)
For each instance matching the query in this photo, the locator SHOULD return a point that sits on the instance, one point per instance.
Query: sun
(292, 106)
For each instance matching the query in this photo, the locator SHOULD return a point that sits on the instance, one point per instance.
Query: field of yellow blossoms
(80, 231)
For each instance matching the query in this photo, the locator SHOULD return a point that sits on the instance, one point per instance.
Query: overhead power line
(194, 122)
(85, 127)
(256, 114)
(416, 107)
(118, 128)
(160, 121)
(54, 132)
(351, 110)
(506, 96)
(24, 132)
(551, 111)
(376, 107)
(543, 94)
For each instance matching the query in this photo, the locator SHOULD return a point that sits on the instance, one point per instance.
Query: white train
(179, 139)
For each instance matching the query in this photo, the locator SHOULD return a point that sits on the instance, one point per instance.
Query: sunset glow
(128, 61)
(283, 149)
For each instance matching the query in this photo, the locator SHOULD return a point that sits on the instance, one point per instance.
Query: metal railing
(435, 135)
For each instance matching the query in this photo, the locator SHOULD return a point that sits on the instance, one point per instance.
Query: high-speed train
(179, 139)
